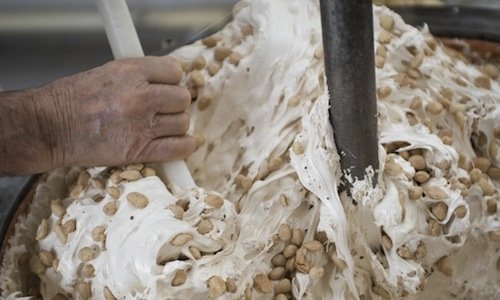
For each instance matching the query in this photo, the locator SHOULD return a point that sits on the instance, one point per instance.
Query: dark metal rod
(350, 71)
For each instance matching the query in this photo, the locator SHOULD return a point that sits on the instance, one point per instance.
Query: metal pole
(350, 72)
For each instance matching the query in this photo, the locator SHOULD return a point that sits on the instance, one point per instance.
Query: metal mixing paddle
(350, 71)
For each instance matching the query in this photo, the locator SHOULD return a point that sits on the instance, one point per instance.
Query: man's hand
(126, 111)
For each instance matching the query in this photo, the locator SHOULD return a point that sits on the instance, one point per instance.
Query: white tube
(124, 43)
(119, 28)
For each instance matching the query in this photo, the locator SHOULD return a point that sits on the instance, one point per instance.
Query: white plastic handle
(124, 43)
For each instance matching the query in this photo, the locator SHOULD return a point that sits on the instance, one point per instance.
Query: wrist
(17, 146)
(50, 106)
(29, 132)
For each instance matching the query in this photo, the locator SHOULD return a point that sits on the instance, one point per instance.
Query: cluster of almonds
(244, 182)
(106, 183)
(296, 256)
(272, 164)
(109, 183)
(385, 37)
(422, 175)
(481, 170)
(413, 74)
(217, 286)
(130, 173)
(204, 226)
(199, 69)
(387, 32)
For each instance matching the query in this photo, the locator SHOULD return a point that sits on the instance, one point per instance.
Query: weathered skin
(130, 110)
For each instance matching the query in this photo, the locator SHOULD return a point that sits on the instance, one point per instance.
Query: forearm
(27, 141)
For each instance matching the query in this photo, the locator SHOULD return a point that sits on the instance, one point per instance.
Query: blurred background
(41, 40)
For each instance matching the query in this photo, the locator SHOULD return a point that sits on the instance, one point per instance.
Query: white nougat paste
(269, 151)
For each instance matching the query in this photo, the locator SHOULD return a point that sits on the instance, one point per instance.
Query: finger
(161, 69)
(170, 125)
(170, 99)
(168, 149)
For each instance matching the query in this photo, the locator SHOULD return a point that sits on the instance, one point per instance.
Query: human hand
(126, 111)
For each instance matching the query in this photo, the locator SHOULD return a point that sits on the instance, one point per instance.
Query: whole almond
(43, 230)
(87, 271)
(179, 278)
(214, 200)
(110, 208)
(283, 286)
(231, 286)
(298, 237)
(84, 290)
(108, 295)
(220, 53)
(46, 257)
(98, 234)
(387, 22)
(57, 208)
(216, 287)
(418, 162)
(148, 172)
(205, 226)
(278, 260)
(313, 246)
(131, 175)
(137, 200)
(87, 254)
(262, 284)
(181, 239)
(60, 234)
(284, 232)
(113, 191)
(69, 226)
(277, 273)
(195, 252)
(209, 41)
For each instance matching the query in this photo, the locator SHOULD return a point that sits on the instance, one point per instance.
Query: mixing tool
(124, 43)
(350, 71)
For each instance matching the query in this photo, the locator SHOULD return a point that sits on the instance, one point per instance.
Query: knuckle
(175, 68)
(152, 132)
(135, 151)
(133, 99)
(185, 98)
(154, 92)
(184, 121)
(127, 66)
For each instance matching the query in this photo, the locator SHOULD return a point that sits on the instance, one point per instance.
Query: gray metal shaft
(350, 71)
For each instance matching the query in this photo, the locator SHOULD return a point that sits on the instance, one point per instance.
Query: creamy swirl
(262, 109)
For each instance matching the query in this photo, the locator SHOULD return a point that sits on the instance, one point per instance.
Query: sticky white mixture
(430, 231)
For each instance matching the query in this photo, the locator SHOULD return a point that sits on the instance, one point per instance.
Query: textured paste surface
(278, 225)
